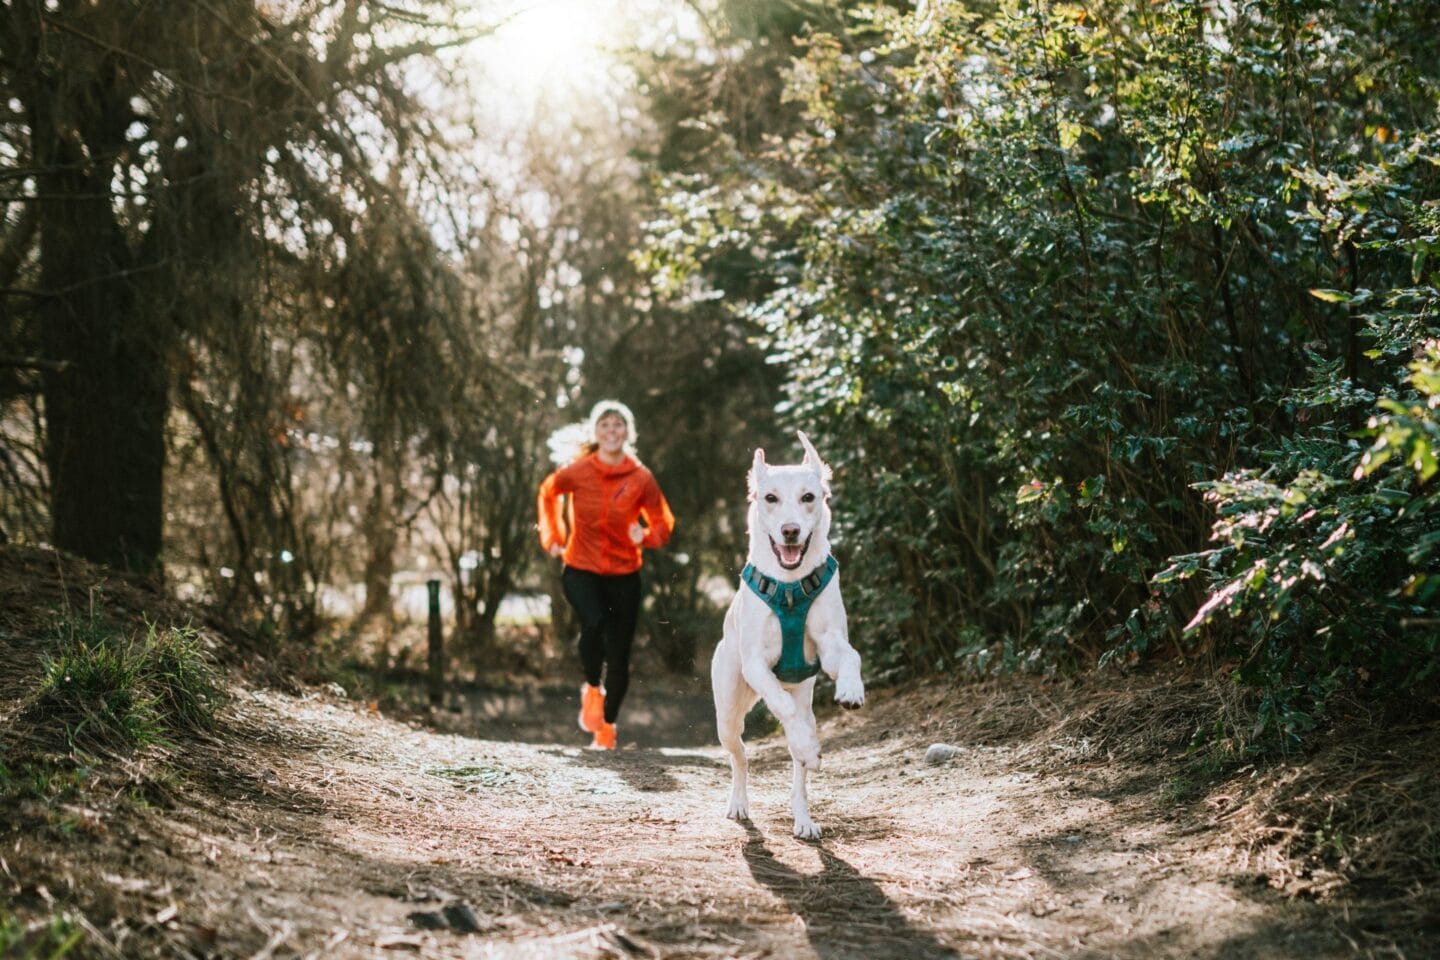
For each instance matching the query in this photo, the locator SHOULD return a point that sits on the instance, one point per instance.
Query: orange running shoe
(605, 736)
(592, 708)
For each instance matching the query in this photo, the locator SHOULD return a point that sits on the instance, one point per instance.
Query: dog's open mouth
(789, 554)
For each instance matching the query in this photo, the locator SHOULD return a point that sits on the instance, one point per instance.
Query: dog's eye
(771, 498)
(808, 498)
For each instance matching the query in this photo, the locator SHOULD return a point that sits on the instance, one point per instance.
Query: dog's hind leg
(733, 699)
(730, 729)
(805, 828)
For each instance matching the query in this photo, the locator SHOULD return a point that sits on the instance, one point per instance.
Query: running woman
(616, 509)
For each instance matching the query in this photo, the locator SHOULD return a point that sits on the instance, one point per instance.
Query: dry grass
(40, 588)
(1356, 814)
(1359, 814)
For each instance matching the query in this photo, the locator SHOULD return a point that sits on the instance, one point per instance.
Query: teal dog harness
(791, 602)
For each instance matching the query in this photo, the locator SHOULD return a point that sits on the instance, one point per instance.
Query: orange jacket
(604, 501)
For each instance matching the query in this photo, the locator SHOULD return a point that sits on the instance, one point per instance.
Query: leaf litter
(308, 825)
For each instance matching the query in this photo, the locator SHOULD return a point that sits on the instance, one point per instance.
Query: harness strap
(790, 603)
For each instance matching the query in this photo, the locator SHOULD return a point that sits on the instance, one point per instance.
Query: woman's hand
(556, 550)
(637, 533)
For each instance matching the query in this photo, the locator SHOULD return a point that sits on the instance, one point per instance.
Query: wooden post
(437, 647)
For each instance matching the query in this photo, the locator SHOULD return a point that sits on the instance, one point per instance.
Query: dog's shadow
(845, 912)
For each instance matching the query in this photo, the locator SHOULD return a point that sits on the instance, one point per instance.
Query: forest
(1116, 319)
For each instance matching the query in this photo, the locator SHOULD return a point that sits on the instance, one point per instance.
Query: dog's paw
(739, 808)
(850, 693)
(805, 829)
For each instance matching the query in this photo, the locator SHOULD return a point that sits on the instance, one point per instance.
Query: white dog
(786, 612)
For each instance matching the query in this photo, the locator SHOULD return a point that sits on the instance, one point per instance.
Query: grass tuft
(107, 691)
(48, 939)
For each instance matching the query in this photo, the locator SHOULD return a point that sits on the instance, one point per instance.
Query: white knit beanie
(605, 407)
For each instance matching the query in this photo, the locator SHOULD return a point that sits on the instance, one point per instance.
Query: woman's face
(611, 433)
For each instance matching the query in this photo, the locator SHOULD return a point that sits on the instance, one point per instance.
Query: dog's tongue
(790, 555)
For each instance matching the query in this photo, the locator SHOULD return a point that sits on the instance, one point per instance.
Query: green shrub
(1053, 283)
(1329, 578)
(1327, 573)
(109, 691)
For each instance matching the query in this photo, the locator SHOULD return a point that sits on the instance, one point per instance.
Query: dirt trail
(313, 827)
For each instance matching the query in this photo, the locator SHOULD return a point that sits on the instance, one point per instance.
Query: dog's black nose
(791, 532)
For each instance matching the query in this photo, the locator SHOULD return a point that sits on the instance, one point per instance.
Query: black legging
(607, 608)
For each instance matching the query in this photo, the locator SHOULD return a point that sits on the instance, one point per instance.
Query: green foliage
(42, 780)
(48, 940)
(1327, 569)
(106, 690)
(760, 722)
(1330, 576)
(1040, 274)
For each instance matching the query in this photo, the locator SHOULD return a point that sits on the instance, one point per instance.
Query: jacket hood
(628, 465)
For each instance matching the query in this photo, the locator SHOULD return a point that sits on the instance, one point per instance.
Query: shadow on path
(845, 912)
(658, 712)
(647, 771)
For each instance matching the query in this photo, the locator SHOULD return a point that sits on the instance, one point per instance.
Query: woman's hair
(576, 440)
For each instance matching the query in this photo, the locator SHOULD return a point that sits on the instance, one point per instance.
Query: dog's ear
(757, 472)
(812, 460)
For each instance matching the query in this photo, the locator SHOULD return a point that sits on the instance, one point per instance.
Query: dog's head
(789, 513)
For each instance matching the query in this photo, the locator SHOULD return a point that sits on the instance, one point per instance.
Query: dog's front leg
(839, 660)
(805, 828)
(800, 735)
(843, 666)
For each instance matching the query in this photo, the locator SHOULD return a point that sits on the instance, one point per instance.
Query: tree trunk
(381, 538)
(105, 404)
(564, 628)
(497, 586)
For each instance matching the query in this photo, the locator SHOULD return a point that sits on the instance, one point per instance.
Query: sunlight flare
(550, 46)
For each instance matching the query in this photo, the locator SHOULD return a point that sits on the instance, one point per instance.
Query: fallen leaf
(556, 855)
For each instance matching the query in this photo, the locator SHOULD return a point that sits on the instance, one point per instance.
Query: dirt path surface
(312, 826)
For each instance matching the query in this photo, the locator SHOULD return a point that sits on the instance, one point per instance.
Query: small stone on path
(427, 920)
(941, 753)
(458, 916)
(462, 918)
